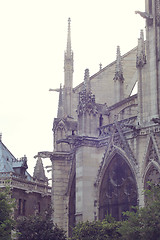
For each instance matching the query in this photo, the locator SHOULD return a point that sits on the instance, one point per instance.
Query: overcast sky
(33, 35)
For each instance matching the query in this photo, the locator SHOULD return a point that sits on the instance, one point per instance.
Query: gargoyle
(144, 15)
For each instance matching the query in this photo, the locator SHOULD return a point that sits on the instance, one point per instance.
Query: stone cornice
(63, 156)
(128, 126)
(27, 186)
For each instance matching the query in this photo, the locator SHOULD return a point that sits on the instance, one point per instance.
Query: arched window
(61, 134)
(152, 175)
(118, 191)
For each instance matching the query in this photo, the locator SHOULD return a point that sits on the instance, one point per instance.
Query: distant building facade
(107, 141)
(32, 194)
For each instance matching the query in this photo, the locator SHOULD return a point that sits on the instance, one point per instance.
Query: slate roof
(9, 164)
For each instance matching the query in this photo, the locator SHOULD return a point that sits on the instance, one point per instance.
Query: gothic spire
(60, 113)
(141, 57)
(68, 75)
(39, 173)
(69, 50)
(119, 69)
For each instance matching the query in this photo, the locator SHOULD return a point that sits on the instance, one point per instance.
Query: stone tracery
(118, 190)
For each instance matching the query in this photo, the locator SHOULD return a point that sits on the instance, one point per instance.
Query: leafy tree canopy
(7, 205)
(39, 227)
(144, 224)
(97, 230)
(140, 224)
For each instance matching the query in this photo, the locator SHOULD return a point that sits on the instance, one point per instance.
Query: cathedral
(107, 140)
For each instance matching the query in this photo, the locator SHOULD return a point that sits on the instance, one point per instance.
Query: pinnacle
(87, 81)
(69, 51)
(119, 69)
(39, 173)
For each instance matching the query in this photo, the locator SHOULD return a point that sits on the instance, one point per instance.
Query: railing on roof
(105, 131)
(15, 181)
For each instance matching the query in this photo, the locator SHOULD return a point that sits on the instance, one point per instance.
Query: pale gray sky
(33, 35)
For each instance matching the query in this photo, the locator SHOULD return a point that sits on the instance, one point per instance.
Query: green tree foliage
(7, 205)
(39, 227)
(140, 224)
(97, 230)
(144, 224)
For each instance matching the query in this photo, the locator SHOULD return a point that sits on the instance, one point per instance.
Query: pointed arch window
(152, 175)
(118, 191)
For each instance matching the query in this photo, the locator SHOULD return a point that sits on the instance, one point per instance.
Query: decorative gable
(117, 143)
(153, 153)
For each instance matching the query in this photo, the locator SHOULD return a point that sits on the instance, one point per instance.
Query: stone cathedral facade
(107, 141)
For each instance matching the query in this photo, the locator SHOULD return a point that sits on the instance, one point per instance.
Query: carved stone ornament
(123, 143)
(147, 16)
(153, 149)
(126, 125)
(119, 76)
(116, 139)
(141, 60)
(152, 154)
(87, 104)
(141, 56)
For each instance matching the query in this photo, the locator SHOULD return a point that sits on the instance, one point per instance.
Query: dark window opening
(19, 206)
(118, 190)
(100, 120)
(24, 208)
(150, 6)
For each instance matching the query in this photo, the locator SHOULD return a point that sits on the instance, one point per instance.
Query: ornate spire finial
(119, 69)
(69, 21)
(141, 57)
(87, 81)
(86, 98)
(100, 66)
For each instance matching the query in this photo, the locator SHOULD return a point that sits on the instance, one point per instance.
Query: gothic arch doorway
(118, 190)
(72, 207)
